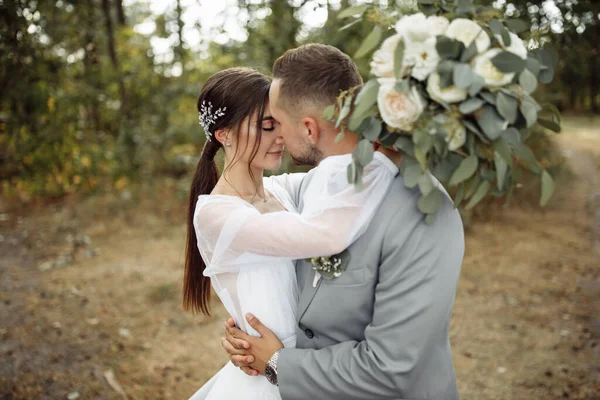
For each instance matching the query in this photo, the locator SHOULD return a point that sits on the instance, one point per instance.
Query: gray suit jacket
(380, 330)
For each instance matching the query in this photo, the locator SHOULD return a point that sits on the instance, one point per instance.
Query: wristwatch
(271, 368)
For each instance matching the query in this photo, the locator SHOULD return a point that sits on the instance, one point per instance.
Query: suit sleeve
(414, 295)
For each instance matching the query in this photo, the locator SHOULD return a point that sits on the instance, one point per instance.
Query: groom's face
(292, 130)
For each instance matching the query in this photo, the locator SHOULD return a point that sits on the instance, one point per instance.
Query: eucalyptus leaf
(507, 62)
(367, 97)
(496, 26)
(398, 59)
(339, 137)
(430, 218)
(482, 190)
(528, 111)
(421, 157)
(329, 112)
(445, 70)
(490, 122)
(406, 145)
(516, 25)
(533, 65)
(501, 169)
(462, 76)
(528, 81)
(525, 156)
(548, 124)
(547, 188)
(363, 153)
(370, 42)
(488, 97)
(460, 195)
(448, 48)
(476, 85)
(471, 105)
(426, 183)
(349, 12)
(469, 52)
(512, 135)
(506, 37)
(351, 172)
(465, 170)
(547, 60)
(412, 174)
(507, 107)
(502, 148)
(344, 111)
(351, 24)
(372, 130)
(430, 203)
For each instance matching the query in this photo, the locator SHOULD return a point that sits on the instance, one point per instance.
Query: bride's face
(269, 151)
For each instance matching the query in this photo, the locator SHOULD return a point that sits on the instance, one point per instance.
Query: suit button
(309, 333)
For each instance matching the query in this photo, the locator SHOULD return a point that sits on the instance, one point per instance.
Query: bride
(244, 230)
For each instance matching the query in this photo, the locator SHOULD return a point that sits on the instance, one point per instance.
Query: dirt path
(95, 287)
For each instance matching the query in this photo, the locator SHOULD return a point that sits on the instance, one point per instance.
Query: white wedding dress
(249, 255)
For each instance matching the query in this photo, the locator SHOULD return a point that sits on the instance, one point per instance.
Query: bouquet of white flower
(452, 90)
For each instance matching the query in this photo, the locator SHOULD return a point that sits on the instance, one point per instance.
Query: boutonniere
(329, 267)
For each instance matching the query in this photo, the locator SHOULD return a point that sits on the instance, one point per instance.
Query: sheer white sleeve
(232, 233)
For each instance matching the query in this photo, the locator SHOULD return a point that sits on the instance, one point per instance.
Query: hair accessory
(208, 118)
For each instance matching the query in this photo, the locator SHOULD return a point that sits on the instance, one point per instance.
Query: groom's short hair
(313, 74)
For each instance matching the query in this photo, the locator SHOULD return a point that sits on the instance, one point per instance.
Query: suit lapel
(307, 290)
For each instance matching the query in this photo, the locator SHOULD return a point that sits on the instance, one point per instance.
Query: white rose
(457, 134)
(397, 109)
(423, 57)
(482, 66)
(451, 94)
(465, 31)
(517, 46)
(382, 64)
(437, 25)
(418, 28)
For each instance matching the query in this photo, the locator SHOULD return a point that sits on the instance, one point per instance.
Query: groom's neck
(345, 146)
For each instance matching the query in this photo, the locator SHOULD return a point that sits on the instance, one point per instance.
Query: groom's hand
(261, 348)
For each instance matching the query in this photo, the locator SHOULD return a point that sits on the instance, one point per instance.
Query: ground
(90, 293)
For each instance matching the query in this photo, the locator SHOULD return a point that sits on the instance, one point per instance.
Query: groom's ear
(311, 129)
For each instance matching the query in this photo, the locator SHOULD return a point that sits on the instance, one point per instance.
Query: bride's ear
(312, 130)
(223, 136)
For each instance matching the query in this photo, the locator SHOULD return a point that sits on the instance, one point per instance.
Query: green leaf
(406, 145)
(477, 85)
(547, 60)
(344, 111)
(496, 26)
(426, 183)
(528, 81)
(482, 190)
(462, 76)
(506, 37)
(402, 86)
(547, 188)
(465, 170)
(430, 219)
(370, 42)
(460, 195)
(373, 129)
(501, 169)
(546, 123)
(445, 69)
(348, 12)
(430, 203)
(517, 25)
(339, 137)
(328, 112)
(412, 174)
(423, 140)
(470, 106)
(512, 135)
(525, 155)
(488, 97)
(398, 58)
(528, 111)
(351, 172)
(421, 157)
(363, 153)
(449, 48)
(502, 148)
(507, 62)
(351, 24)
(507, 107)
(533, 65)
(366, 98)
(469, 52)
(490, 122)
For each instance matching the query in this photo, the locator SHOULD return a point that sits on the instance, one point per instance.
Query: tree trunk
(179, 49)
(121, 13)
(593, 63)
(90, 62)
(113, 52)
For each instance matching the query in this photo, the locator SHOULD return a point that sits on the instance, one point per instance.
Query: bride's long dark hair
(243, 92)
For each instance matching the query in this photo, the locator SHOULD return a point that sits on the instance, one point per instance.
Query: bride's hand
(261, 348)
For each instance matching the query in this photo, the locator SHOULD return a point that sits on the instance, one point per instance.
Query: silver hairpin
(208, 118)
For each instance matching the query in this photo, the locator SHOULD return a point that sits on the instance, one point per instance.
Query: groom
(380, 330)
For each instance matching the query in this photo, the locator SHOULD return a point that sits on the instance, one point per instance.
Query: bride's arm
(334, 215)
